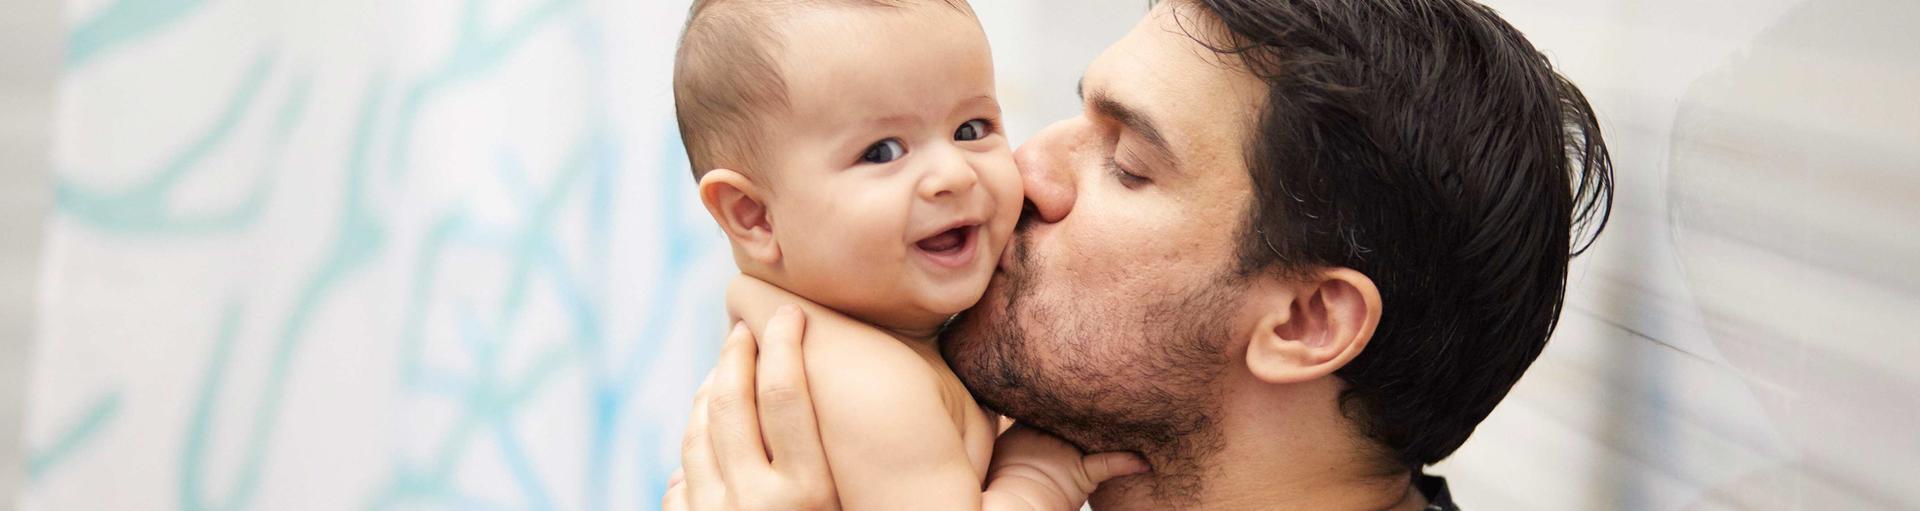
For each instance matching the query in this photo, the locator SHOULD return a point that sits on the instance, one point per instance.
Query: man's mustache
(1029, 213)
(1021, 241)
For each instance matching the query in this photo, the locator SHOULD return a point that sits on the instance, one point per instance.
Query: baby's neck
(912, 330)
(750, 293)
(911, 336)
(923, 340)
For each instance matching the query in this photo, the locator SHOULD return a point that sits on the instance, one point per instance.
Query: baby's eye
(973, 130)
(884, 151)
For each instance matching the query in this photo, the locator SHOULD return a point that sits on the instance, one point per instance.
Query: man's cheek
(1102, 260)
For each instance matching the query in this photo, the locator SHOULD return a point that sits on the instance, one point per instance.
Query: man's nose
(1046, 168)
(951, 174)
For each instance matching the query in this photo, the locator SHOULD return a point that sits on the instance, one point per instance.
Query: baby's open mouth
(951, 240)
(951, 248)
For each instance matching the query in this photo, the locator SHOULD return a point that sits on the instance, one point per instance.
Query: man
(1290, 253)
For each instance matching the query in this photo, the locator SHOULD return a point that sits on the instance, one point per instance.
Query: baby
(852, 152)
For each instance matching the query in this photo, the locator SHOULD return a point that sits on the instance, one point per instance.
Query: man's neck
(1289, 450)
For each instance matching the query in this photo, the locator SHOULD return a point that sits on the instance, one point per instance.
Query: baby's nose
(951, 174)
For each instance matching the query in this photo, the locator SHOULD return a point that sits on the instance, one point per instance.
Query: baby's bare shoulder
(843, 355)
(885, 418)
(849, 359)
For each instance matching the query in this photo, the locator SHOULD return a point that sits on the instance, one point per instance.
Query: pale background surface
(438, 254)
(29, 56)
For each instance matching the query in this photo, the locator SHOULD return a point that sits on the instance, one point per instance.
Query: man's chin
(981, 343)
(960, 342)
(997, 285)
(992, 306)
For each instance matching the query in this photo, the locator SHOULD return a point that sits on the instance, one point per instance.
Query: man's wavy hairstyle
(1428, 145)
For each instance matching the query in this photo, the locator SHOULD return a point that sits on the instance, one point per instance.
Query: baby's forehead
(857, 18)
(898, 64)
(806, 37)
(744, 65)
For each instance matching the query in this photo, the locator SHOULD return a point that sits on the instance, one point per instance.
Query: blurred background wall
(29, 56)
(1741, 337)
(444, 254)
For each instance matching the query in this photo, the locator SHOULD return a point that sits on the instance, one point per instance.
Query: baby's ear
(739, 206)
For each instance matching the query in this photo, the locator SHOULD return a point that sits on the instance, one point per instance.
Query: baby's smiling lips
(945, 241)
(953, 247)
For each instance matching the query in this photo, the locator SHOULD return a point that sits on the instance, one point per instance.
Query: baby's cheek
(839, 237)
(1009, 194)
(849, 268)
(873, 240)
(1006, 178)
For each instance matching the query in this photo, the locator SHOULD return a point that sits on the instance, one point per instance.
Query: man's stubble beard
(1147, 384)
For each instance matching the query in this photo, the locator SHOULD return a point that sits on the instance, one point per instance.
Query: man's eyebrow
(1137, 121)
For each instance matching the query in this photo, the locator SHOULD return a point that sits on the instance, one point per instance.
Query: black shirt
(1435, 489)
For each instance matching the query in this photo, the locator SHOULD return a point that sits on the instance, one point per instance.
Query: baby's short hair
(725, 76)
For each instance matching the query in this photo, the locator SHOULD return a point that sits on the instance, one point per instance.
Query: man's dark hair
(1428, 145)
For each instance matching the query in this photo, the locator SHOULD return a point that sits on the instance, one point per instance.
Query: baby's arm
(889, 439)
(1044, 472)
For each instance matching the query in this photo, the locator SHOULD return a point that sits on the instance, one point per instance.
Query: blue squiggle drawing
(122, 22)
(685, 245)
(359, 237)
(146, 208)
(475, 51)
(484, 403)
(541, 265)
(76, 436)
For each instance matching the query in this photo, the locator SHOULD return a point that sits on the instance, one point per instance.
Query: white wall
(361, 254)
(29, 49)
(1739, 338)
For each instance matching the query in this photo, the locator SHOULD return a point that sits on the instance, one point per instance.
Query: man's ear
(739, 206)
(1314, 328)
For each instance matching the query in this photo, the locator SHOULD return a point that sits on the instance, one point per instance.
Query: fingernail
(1139, 467)
(738, 326)
(787, 310)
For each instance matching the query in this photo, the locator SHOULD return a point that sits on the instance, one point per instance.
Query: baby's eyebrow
(891, 120)
(988, 99)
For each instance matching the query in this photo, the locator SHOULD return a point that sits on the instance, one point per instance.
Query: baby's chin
(953, 298)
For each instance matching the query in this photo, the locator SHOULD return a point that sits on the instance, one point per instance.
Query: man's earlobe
(738, 205)
(1316, 329)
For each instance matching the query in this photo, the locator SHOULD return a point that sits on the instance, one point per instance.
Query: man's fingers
(786, 407)
(1108, 465)
(675, 500)
(699, 475)
(733, 419)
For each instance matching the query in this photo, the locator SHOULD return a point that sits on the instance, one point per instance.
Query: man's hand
(1042, 471)
(741, 416)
